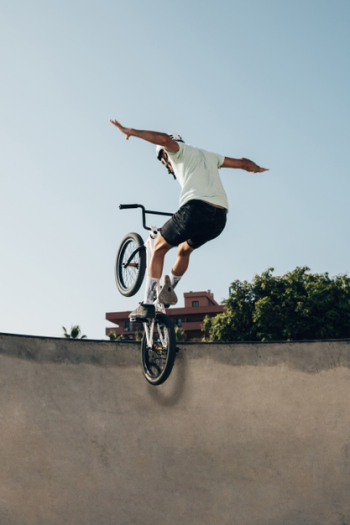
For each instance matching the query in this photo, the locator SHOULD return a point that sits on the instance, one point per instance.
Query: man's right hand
(160, 139)
(126, 131)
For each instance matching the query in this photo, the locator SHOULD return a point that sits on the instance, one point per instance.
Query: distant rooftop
(188, 318)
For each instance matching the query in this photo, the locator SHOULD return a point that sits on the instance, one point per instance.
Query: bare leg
(161, 247)
(182, 260)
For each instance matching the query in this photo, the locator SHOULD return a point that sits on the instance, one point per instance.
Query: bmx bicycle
(158, 345)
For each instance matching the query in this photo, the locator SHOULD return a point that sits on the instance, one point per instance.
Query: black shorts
(196, 222)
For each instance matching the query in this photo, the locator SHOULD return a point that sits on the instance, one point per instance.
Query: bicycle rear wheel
(158, 360)
(130, 264)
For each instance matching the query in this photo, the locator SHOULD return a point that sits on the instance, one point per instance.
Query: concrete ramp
(240, 434)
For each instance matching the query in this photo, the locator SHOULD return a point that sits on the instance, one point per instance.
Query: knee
(184, 250)
(161, 247)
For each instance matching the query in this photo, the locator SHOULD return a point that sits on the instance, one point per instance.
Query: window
(131, 326)
(178, 322)
(195, 303)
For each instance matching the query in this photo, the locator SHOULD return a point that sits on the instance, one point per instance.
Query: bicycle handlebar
(126, 206)
(144, 212)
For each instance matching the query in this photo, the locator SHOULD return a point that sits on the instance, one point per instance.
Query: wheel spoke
(158, 360)
(129, 274)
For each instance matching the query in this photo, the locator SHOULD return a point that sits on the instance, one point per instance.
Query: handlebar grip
(127, 206)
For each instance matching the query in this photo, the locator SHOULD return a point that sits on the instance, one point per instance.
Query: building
(189, 318)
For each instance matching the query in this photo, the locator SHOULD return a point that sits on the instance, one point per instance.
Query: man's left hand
(250, 166)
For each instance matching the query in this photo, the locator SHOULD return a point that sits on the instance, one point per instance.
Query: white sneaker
(167, 295)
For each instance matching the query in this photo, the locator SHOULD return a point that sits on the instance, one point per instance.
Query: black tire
(158, 361)
(129, 278)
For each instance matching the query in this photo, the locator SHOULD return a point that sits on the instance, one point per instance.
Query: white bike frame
(159, 307)
(149, 245)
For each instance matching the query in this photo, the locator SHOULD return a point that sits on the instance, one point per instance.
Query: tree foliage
(299, 305)
(180, 335)
(74, 332)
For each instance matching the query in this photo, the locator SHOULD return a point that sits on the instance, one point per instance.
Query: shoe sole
(167, 295)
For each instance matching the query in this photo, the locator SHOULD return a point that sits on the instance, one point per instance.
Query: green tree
(114, 337)
(299, 305)
(138, 335)
(179, 334)
(74, 332)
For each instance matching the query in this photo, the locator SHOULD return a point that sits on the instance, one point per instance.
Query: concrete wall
(246, 434)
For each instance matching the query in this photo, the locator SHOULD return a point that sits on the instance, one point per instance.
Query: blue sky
(263, 79)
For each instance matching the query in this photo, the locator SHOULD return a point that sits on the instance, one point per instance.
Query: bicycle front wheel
(130, 264)
(158, 359)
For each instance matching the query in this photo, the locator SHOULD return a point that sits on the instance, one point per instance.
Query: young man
(202, 211)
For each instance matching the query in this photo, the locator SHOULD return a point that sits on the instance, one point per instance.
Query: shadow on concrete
(176, 384)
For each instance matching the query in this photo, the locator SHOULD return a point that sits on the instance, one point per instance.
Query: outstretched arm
(243, 164)
(160, 139)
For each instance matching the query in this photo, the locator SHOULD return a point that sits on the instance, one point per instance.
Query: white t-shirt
(197, 171)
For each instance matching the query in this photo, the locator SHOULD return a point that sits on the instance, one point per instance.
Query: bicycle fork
(149, 330)
(149, 325)
(162, 334)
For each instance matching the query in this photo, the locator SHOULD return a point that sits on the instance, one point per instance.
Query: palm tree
(74, 332)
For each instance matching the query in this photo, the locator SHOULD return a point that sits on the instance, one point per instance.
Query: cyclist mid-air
(202, 211)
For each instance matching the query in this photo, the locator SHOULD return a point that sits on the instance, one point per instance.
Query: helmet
(173, 136)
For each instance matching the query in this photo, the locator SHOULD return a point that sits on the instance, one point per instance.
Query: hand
(250, 166)
(126, 131)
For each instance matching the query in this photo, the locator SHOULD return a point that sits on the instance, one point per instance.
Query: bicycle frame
(149, 247)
